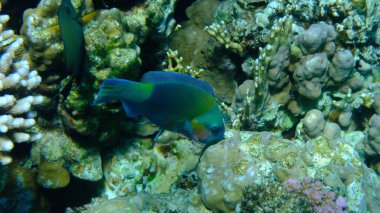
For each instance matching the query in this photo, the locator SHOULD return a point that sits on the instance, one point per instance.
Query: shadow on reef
(180, 10)
(77, 193)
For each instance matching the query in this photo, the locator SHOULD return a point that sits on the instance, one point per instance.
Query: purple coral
(323, 200)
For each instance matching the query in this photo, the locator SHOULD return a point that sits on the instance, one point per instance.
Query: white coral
(16, 79)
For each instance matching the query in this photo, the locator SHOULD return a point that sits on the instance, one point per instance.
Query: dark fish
(73, 41)
(172, 101)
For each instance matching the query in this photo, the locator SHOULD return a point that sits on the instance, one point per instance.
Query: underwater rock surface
(298, 81)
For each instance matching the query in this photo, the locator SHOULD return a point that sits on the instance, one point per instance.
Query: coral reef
(17, 82)
(200, 52)
(137, 164)
(272, 197)
(112, 39)
(321, 199)
(57, 154)
(40, 31)
(256, 158)
(135, 203)
(21, 193)
(223, 179)
(179, 201)
(372, 143)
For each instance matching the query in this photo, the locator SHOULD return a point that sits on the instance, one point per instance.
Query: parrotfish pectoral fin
(158, 135)
(120, 89)
(130, 109)
(161, 77)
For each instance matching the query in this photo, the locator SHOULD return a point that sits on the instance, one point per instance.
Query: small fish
(173, 101)
(73, 41)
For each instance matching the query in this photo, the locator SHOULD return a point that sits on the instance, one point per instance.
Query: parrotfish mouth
(206, 136)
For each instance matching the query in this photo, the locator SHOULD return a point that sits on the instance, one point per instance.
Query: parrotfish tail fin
(120, 89)
(110, 90)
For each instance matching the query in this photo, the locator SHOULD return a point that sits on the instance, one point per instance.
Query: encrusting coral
(139, 165)
(17, 82)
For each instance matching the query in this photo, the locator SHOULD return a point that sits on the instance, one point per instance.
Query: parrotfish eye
(214, 128)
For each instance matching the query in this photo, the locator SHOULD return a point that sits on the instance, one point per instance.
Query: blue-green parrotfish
(73, 41)
(173, 101)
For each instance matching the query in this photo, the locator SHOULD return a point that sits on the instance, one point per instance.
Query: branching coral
(219, 32)
(17, 81)
(322, 200)
(174, 64)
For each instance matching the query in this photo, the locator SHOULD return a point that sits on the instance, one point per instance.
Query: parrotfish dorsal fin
(162, 76)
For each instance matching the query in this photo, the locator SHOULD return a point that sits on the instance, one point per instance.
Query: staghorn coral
(17, 82)
(174, 59)
(219, 32)
(267, 70)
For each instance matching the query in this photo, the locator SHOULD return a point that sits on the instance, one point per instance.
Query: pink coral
(324, 201)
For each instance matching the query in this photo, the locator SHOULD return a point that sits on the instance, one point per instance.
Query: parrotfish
(173, 101)
(73, 41)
